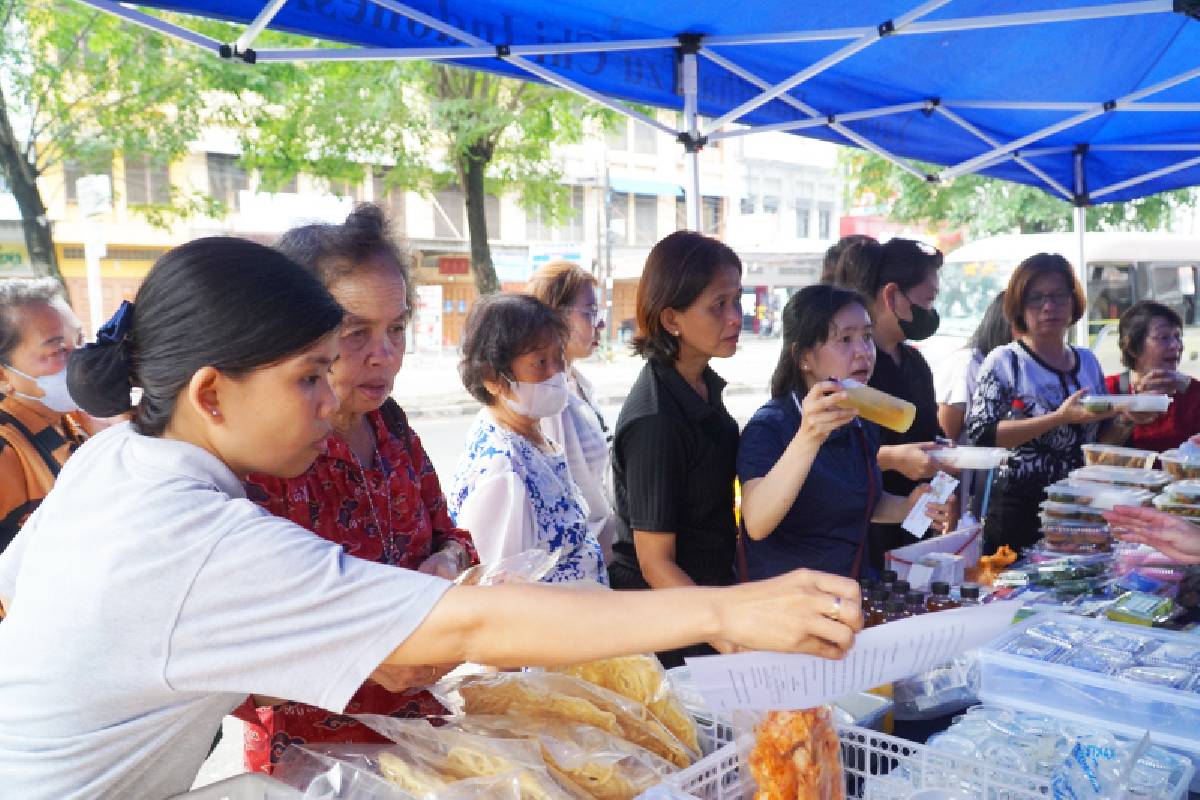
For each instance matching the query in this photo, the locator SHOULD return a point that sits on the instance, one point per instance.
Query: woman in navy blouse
(809, 467)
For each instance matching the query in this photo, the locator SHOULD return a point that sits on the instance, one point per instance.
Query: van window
(1109, 291)
(1174, 285)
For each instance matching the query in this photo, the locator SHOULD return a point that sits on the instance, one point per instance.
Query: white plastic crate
(872, 763)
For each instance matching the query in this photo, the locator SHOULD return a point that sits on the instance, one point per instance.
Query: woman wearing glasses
(580, 428)
(1028, 398)
(1151, 341)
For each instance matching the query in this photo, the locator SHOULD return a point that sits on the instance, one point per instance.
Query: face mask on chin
(539, 400)
(54, 390)
(924, 322)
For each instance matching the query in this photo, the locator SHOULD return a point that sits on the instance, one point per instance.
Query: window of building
(645, 219)
(391, 199)
(568, 230)
(711, 217)
(74, 170)
(824, 222)
(748, 204)
(491, 215)
(803, 212)
(147, 180)
(450, 222)
(770, 204)
(645, 139)
(618, 137)
(618, 215)
(226, 178)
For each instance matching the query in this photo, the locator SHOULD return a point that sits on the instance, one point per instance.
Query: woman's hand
(942, 516)
(1161, 381)
(824, 411)
(399, 679)
(442, 564)
(1072, 411)
(914, 460)
(1173, 536)
(801, 612)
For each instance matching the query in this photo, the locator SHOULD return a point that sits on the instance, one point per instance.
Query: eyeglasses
(590, 313)
(1037, 300)
(1167, 339)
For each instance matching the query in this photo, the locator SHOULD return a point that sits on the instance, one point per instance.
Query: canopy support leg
(689, 46)
(1079, 222)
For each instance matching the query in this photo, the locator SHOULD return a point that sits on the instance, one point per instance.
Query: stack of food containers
(1073, 515)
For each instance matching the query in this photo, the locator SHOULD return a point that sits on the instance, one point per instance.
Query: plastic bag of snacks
(551, 695)
(528, 566)
(598, 764)
(642, 680)
(792, 754)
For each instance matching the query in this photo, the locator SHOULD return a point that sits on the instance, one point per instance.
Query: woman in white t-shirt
(955, 383)
(146, 596)
(580, 428)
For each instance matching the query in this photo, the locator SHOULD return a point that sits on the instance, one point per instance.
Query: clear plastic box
(1072, 512)
(1149, 403)
(1180, 466)
(1099, 495)
(1113, 456)
(1005, 677)
(1184, 492)
(971, 457)
(1152, 480)
(1189, 510)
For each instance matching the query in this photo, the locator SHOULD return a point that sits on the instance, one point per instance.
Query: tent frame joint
(503, 51)
(690, 43)
(1081, 200)
(691, 143)
(930, 106)
(1189, 8)
(231, 51)
(1109, 105)
(886, 28)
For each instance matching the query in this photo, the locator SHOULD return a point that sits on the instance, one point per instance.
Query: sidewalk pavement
(429, 386)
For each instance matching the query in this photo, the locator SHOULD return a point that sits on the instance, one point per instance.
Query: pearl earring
(215, 412)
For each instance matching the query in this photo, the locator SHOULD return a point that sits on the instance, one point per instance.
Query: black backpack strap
(38, 441)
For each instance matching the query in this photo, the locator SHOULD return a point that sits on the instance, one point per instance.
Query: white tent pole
(692, 142)
(1147, 148)
(258, 25)
(972, 164)
(1024, 162)
(1080, 224)
(1149, 176)
(154, 24)
(885, 30)
(1063, 105)
(861, 141)
(451, 52)
(816, 122)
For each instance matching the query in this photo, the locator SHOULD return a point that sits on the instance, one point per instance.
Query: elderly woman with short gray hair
(38, 430)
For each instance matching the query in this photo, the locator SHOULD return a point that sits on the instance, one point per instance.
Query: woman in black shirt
(675, 445)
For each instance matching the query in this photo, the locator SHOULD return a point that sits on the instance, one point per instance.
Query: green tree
(434, 125)
(986, 206)
(77, 85)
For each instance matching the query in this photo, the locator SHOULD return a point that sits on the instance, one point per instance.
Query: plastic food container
(1066, 536)
(1113, 456)
(971, 457)
(1189, 510)
(1126, 402)
(1184, 492)
(1100, 495)
(1070, 511)
(1180, 466)
(1152, 480)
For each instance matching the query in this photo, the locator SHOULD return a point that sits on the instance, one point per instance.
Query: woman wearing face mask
(809, 468)
(512, 487)
(675, 447)
(900, 281)
(373, 491)
(39, 423)
(580, 428)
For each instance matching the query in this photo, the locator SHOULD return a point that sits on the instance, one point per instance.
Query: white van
(1122, 269)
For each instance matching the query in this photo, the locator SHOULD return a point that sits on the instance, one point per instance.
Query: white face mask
(54, 387)
(538, 400)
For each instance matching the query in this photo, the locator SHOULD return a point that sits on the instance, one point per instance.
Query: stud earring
(215, 412)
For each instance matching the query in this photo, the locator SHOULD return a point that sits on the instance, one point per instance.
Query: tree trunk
(472, 169)
(22, 182)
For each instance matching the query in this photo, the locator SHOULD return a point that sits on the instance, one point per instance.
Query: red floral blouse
(393, 512)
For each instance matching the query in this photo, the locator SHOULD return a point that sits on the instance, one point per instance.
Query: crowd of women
(262, 533)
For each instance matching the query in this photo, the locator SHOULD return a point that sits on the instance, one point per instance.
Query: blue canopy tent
(1091, 100)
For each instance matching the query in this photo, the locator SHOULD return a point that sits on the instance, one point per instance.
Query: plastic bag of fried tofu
(600, 765)
(552, 695)
(793, 755)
